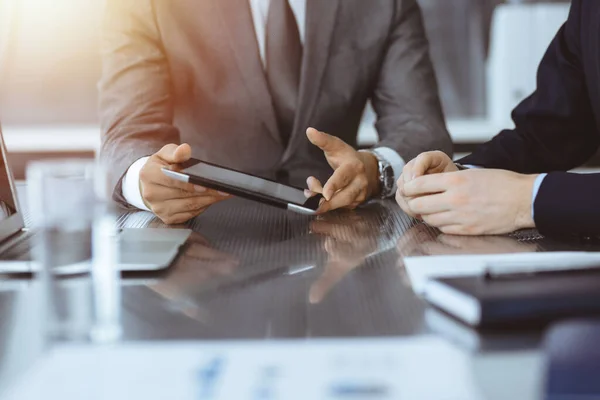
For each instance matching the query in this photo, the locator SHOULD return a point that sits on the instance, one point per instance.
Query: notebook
(421, 269)
(522, 299)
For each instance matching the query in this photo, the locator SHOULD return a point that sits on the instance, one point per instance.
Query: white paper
(423, 268)
(411, 368)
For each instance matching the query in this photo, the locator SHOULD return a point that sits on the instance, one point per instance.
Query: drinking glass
(76, 249)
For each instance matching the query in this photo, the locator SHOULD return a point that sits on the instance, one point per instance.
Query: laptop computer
(140, 250)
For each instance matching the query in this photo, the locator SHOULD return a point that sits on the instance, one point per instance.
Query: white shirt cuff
(395, 160)
(131, 185)
(537, 184)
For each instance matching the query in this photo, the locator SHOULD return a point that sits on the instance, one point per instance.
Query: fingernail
(223, 194)
(199, 189)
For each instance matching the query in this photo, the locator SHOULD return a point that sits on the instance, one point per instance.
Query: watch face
(388, 177)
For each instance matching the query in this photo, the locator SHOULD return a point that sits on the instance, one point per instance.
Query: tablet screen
(246, 182)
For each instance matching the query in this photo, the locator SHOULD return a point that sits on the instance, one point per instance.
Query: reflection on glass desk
(255, 272)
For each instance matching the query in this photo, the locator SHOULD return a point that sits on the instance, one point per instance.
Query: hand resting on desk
(471, 202)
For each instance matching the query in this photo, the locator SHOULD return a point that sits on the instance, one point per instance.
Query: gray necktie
(284, 63)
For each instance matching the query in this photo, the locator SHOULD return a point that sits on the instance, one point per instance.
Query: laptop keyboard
(20, 250)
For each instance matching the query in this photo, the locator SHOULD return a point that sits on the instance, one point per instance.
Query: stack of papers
(384, 369)
(423, 268)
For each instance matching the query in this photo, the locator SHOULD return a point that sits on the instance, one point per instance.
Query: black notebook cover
(482, 301)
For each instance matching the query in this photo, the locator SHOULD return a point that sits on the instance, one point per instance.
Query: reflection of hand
(348, 242)
(355, 178)
(419, 240)
(410, 244)
(172, 201)
(198, 264)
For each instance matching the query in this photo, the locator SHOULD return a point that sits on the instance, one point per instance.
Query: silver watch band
(386, 175)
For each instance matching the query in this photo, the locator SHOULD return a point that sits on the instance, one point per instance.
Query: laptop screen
(8, 207)
(11, 220)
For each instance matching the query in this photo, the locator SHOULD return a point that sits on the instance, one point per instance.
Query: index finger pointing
(322, 140)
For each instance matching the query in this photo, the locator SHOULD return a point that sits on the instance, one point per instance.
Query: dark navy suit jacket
(557, 128)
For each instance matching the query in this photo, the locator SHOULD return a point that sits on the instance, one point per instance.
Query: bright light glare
(51, 61)
(54, 23)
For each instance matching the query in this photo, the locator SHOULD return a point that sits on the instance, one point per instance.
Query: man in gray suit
(239, 81)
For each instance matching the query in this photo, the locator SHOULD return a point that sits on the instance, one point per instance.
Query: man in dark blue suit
(518, 179)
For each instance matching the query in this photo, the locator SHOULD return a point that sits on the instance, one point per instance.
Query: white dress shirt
(260, 11)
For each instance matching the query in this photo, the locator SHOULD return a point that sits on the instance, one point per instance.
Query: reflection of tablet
(245, 185)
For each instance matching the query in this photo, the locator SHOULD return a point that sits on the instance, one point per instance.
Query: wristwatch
(387, 180)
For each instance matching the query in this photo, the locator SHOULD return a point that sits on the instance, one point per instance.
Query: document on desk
(422, 268)
(384, 369)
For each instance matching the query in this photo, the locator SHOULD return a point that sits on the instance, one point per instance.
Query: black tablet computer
(245, 185)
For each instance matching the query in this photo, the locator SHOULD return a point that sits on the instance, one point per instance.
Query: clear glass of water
(76, 249)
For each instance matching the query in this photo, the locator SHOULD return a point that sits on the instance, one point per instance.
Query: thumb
(421, 167)
(325, 142)
(173, 154)
(428, 163)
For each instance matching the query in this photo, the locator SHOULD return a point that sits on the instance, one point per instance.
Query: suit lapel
(320, 24)
(237, 19)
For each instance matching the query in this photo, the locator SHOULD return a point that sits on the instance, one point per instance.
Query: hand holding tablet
(244, 185)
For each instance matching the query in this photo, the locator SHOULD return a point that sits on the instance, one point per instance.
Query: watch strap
(386, 175)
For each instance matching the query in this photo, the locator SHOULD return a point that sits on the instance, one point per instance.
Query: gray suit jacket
(190, 71)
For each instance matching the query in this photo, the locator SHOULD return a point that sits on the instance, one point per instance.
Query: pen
(494, 272)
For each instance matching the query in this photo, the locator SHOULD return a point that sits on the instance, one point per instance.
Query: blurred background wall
(484, 51)
(50, 63)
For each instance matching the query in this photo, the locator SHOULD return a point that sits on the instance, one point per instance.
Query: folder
(421, 269)
(506, 300)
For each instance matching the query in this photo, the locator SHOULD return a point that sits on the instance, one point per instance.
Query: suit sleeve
(409, 113)
(567, 205)
(554, 127)
(554, 132)
(136, 109)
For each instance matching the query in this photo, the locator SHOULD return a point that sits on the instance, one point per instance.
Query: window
(50, 62)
